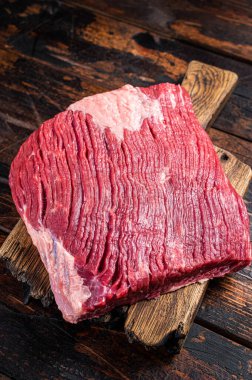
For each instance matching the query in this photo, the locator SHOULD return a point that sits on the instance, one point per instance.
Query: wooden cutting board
(167, 319)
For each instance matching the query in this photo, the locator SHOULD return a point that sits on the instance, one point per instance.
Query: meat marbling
(125, 199)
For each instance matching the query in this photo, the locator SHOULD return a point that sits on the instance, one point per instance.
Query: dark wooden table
(55, 52)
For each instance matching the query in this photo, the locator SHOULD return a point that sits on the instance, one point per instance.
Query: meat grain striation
(125, 199)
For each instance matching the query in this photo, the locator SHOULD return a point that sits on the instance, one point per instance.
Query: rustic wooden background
(55, 52)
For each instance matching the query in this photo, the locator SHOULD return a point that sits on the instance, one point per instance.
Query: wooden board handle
(168, 318)
(209, 88)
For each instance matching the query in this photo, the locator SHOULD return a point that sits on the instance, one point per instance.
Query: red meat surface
(125, 198)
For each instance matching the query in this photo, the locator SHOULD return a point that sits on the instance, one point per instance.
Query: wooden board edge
(174, 340)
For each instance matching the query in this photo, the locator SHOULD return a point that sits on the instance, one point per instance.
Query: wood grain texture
(236, 118)
(169, 317)
(209, 88)
(8, 214)
(32, 92)
(94, 44)
(16, 295)
(234, 145)
(221, 26)
(227, 307)
(50, 349)
(93, 48)
(23, 261)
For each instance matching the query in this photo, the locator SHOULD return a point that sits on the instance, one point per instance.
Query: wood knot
(224, 157)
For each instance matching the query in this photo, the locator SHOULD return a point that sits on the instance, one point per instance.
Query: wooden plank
(180, 20)
(8, 213)
(52, 38)
(236, 117)
(155, 322)
(227, 308)
(110, 54)
(234, 145)
(11, 138)
(108, 47)
(32, 92)
(56, 350)
(207, 24)
(16, 295)
(24, 16)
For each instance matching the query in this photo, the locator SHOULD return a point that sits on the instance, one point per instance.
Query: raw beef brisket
(125, 198)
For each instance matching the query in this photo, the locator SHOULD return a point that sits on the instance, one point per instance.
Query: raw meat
(125, 198)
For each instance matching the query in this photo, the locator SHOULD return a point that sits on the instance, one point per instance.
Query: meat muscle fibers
(125, 199)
